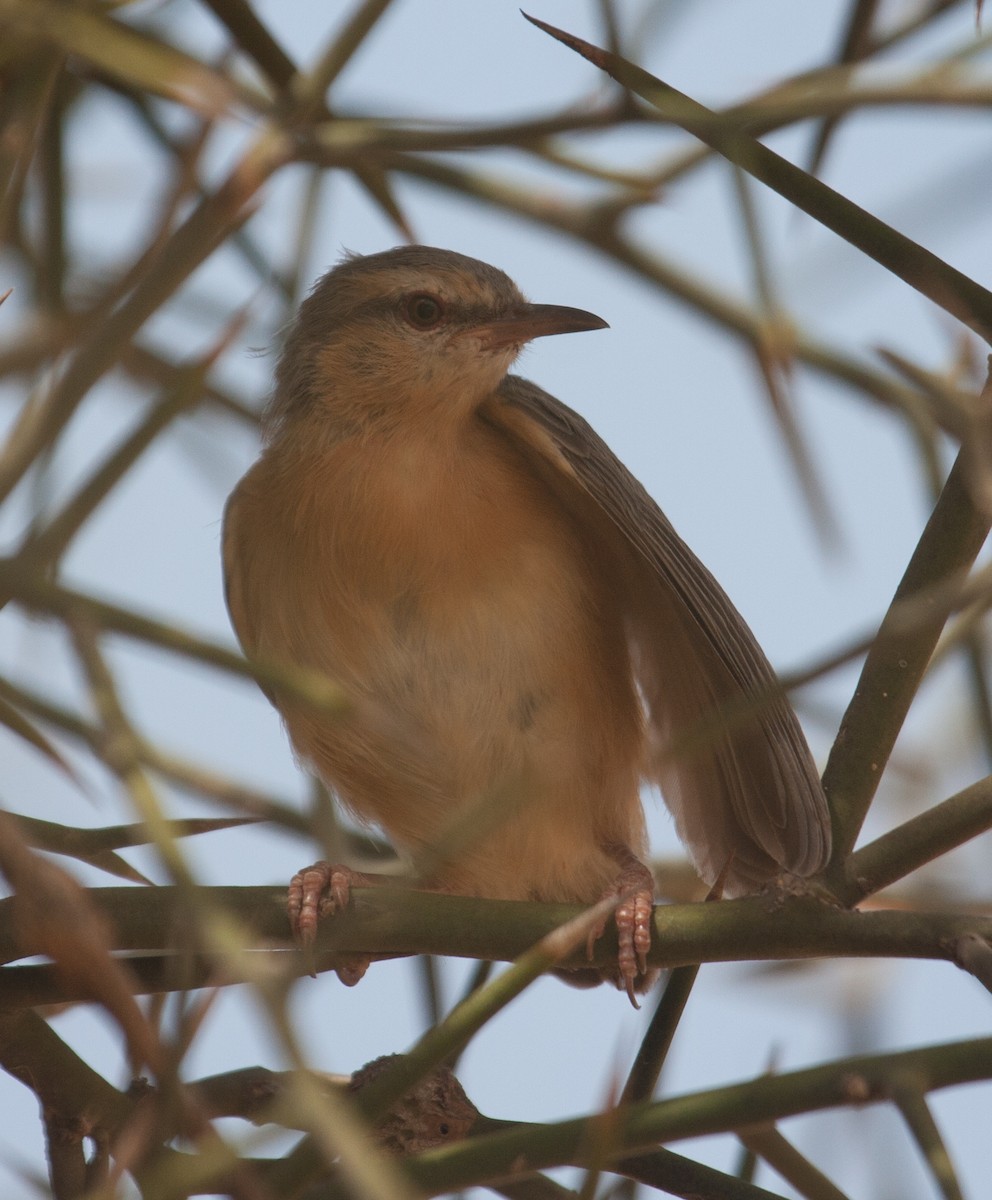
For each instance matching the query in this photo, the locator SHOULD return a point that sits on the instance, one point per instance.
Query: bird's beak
(531, 321)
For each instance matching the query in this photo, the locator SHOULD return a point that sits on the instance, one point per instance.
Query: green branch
(899, 657)
(918, 841)
(390, 922)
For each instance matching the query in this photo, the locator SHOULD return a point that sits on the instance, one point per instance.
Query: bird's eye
(423, 311)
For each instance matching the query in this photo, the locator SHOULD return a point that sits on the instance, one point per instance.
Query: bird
(522, 637)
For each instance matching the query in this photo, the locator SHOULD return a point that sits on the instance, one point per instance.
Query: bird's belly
(468, 668)
(489, 678)
(450, 593)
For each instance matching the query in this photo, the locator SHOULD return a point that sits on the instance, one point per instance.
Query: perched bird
(523, 637)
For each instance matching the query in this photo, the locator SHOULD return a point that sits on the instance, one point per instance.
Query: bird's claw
(633, 921)
(633, 918)
(314, 893)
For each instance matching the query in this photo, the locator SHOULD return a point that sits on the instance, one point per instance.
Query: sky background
(680, 402)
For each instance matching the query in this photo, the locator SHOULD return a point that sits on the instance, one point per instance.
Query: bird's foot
(321, 891)
(634, 889)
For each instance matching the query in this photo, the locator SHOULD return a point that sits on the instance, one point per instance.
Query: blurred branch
(773, 356)
(217, 215)
(39, 595)
(34, 1054)
(350, 137)
(55, 915)
(310, 88)
(255, 39)
(768, 1143)
(947, 287)
(832, 92)
(911, 22)
(137, 59)
(52, 262)
(653, 1050)
(122, 751)
(675, 1175)
(79, 1104)
(96, 847)
(44, 546)
(861, 1080)
(909, 1095)
(855, 47)
(303, 95)
(28, 98)
(146, 364)
(15, 722)
(189, 776)
(85, 843)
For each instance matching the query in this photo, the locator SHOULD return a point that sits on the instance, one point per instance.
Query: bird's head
(415, 329)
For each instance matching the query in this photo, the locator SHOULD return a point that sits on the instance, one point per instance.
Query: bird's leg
(634, 887)
(321, 891)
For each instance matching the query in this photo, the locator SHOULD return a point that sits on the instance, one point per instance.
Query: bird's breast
(382, 557)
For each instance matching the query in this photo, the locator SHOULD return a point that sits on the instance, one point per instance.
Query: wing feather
(724, 743)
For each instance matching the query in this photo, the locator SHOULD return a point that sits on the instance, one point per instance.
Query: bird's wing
(725, 746)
